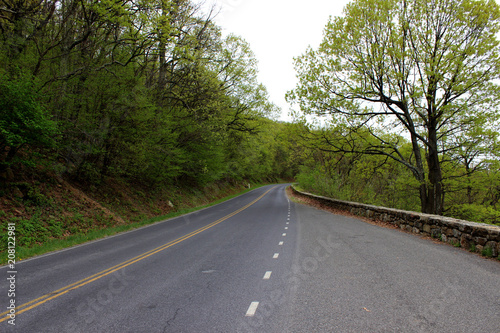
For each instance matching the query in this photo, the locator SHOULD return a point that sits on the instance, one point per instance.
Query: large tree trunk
(431, 188)
(435, 188)
(425, 189)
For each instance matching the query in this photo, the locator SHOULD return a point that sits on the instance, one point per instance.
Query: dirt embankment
(49, 207)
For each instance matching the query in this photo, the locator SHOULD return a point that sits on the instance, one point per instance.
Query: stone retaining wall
(476, 237)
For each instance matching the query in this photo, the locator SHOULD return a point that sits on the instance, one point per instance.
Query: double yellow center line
(50, 296)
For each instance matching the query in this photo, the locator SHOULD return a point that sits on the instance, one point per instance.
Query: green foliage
(372, 179)
(148, 92)
(378, 180)
(420, 70)
(487, 252)
(28, 231)
(152, 93)
(23, 120)
(36, 198)
(476, 213)
(55, 228)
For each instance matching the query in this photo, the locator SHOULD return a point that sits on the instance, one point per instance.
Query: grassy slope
(52, 213)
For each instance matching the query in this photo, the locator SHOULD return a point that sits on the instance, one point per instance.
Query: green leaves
(23, 120)
(419, 69)
(143, 90)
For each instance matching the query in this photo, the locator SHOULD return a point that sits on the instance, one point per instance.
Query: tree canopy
(420, 70)
(147, 91)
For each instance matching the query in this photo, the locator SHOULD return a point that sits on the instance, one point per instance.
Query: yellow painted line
(45, 298)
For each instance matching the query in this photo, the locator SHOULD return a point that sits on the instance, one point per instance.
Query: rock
(436, 233)
(478, 232)
(464, 243)
(493, 247)
(9, 175)
(480, 240)
(17, 193)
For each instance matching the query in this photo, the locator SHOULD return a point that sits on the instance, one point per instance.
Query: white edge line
(126, 232)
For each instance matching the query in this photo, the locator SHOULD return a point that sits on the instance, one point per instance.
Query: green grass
(55, 244)
(487, 252)
(472, 248)
(298, 187)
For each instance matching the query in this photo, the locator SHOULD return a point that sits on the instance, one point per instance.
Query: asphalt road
(256, 263)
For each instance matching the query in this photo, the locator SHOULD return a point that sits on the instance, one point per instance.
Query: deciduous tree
(412, 68)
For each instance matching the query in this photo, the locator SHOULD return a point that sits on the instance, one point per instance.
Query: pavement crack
(171, 319)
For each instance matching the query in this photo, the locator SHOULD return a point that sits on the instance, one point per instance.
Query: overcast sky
(278, 31)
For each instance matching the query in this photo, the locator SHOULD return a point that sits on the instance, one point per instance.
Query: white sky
(278, 31)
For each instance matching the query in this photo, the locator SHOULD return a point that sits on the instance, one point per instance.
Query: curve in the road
(50, 296)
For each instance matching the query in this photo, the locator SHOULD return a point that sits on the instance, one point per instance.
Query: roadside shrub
(475, 213)
(23, 120)
(28, 231)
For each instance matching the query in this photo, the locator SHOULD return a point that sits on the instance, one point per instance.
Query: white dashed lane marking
(252, 309)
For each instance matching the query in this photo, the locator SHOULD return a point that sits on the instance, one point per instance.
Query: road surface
(256, 263)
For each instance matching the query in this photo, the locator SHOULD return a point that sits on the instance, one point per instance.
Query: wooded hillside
(119, 109)
(116, 110)
(143, 90)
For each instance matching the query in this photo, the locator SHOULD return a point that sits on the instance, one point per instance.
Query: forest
(400, 103)
(120, 110)
(142, 90)
(150, 95)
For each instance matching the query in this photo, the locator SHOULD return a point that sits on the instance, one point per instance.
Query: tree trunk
(430, 189)
(435, 187)
(168, 17)
(469, 182)
(419, 172)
